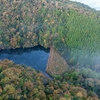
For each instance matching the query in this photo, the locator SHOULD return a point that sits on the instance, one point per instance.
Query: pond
(36, 57)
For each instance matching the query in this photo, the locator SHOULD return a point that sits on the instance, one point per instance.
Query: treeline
(22, 83)
(68, 26)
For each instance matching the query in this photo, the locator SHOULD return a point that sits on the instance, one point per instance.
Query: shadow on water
(36, 57)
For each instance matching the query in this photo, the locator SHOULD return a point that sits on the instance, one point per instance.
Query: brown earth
(56, 63)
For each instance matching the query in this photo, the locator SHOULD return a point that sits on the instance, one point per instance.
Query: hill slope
(59, 23)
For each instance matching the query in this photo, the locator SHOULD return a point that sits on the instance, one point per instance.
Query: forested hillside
(64, 24)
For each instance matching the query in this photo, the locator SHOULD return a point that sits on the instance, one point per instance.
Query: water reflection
(35, 57)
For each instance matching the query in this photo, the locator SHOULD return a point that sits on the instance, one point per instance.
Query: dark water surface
(36, 57)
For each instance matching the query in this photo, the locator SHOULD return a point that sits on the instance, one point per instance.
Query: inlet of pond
(36, 57)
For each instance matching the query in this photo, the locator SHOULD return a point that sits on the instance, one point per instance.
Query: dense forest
(24, 83)
(68, 26)
(72, 28)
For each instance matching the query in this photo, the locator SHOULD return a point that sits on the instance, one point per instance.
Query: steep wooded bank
(24, 83)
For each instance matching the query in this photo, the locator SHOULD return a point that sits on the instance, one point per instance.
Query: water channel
(35, 57)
